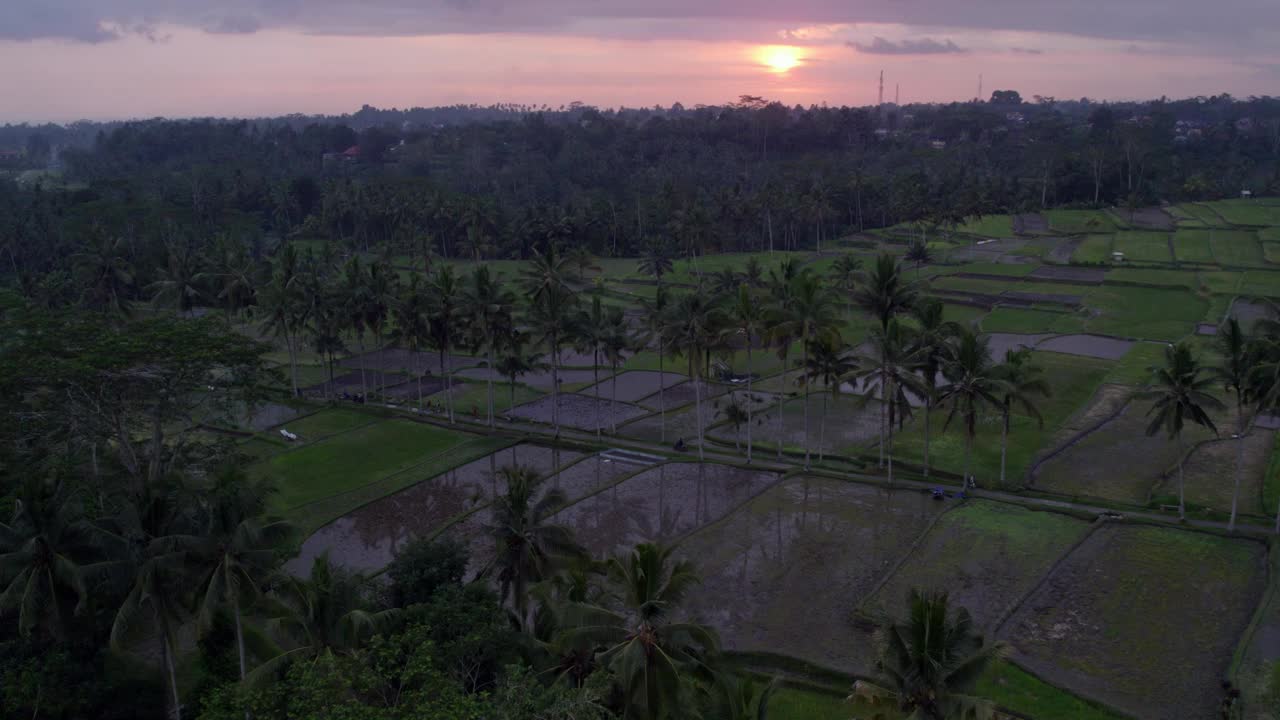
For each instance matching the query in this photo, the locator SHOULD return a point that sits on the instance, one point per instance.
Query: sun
(779, 58)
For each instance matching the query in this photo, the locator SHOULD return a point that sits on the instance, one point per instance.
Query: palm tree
(845, 272)
(41, 550)
(891, 368)
(747, 314)
(444, 311)
(695, 330)
(656, 319)
(735, 416)
(618, 341)
(932, 346)
(732, 697)
(647, 653)
(1240, 358)
(411, 326)
(328, 612)
(813, 318)
(971, 384)
(382, 293)
(515, 359)
(528, 547)
(1178, 390)
(285, 310)
(1021, 381)
(237, 553)
(592, 336)
(928, 661)
(177, 286)
(545, 272)
(354, 303)
(828, 364)
(553, 319)
(489, 306)
(918, 252)
(656, 260)
(781, 327)
(106, 275)
(885, 294)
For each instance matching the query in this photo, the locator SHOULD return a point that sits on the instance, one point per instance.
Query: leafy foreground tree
(927, 663)
(528, 547)
(1179, 391)
(1240, 360)
(932, 341)
(649, 655)
(972, 384)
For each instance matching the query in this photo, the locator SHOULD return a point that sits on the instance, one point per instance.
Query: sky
(63, 60)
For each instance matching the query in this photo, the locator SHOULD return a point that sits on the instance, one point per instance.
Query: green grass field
(1142, 246)
(1023, 320)
(990, 226)
(348, 460)
(1018, 690)
(1134, 367)
(1145, 313)
(1237, 248)
(1200, 214)
(1192, 245)
(1247, 212)
(1094, 249)
(1154, 276)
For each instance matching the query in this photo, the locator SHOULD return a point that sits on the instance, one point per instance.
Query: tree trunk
(888, 389)
(490, 376)
(883, 419)
(697, 403)
(804, 363)
(662, 396)
(749, 399)
(968, 454)
(1235, 492)
(928, 404)
(1004, 443)
(293, 363)
(166, 650)
(822, 429)
(613, 400)
(595, 381)
(1182, 505)
(364, 384)
(555, 385)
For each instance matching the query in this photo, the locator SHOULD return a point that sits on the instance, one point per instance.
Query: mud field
(1249, 312)
(986, 555)
(661, 504)
(1094, 346)
(1152, 218)
(1145, 619)
(1029, 223)
(579, 411)
(540, 380)
(1045, 298)
(785, 573)
(356, 382)
(684, 394)
(1000, 343)
(367, 538)
(635, 385)
(847, 424)
(410, 391)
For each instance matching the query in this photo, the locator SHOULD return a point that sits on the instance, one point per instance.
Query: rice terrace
(1073, 554)
(354, 425)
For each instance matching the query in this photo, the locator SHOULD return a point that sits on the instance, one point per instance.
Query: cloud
(923, 46)
(1025, 51)
(1182, 21)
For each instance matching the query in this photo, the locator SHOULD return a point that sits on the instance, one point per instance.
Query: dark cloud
(1025, 51)
(923, 46)
(1182, 21)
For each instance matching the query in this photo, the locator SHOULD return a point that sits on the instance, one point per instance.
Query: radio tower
(979, 87)
(880, 102)
(896, 88)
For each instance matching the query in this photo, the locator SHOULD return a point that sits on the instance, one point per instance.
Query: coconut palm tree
(747, 314)
(528, 547)
(411, 327)
(515, 359)
(1022, 381)
(177, 286)
(41, 551)
(781, 328)
(891, 367)
(618, 341)
(885, 294)
(106, 275)
(488, 306)
(735, 416)
(932, 342)
(1239, 359)
(647, 652)
(284, 308)
(733, 697)
(553, 318)
(656, 319)
(1178, 390)
(444, 316)
(927, 662)
(381, 294)
(919, 253)
(593, 330)
(354, 303)
(695, 332)
(545, 272)
(845, 272)
(972, 383)
(814, 317)
(655, 260)
(237, 552)
(827, 365)
(327, 612)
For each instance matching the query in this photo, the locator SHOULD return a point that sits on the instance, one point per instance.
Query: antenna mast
(896, 88)
(880, 102)
(979, 87)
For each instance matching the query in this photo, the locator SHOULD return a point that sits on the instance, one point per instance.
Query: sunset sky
(102, 59)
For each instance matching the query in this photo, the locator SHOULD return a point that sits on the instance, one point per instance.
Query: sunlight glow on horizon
(780, 58)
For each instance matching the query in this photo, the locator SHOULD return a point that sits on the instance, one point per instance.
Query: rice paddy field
(1106, 617)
